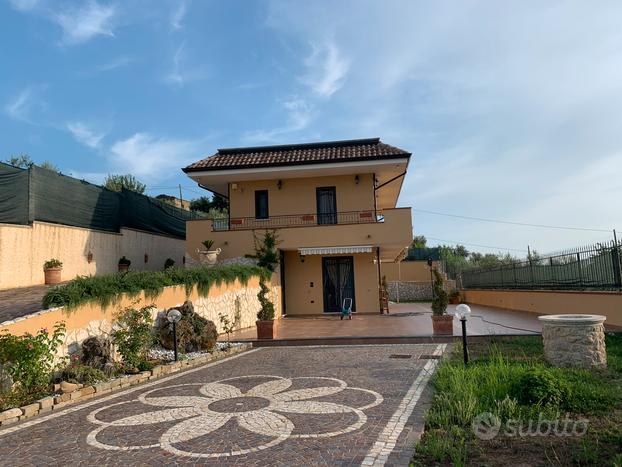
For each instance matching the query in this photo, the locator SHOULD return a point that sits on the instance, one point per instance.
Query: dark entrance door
(326, 205)
(338, 282)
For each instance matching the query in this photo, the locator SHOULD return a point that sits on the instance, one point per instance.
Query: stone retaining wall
(234, 300)
(408, 291)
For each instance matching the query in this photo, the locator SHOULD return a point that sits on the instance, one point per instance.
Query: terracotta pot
(265, 329)
(455, 300)
(124, 267)
(52, 276)
(443, 324)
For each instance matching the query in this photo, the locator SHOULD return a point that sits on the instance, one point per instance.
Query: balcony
(298, 220)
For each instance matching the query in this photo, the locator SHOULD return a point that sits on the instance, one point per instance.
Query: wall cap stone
(572, 319)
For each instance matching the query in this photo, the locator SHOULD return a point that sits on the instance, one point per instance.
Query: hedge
(106, 289)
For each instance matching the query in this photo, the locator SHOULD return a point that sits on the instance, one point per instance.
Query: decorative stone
(66, 387)
(46, 402)
(97, 352)
(8, 414)
(30, 410)
(574, 340)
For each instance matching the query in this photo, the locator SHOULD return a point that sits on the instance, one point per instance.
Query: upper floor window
(261, 204)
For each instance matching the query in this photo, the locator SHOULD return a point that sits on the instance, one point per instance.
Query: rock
(194, 332)
(6, 382)
(66, 387)
(97, 352)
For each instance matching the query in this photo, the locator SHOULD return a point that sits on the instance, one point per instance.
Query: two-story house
(332, 205)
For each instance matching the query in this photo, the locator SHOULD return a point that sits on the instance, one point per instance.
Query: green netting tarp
(13, 195)
(66, 200)
(145, 213)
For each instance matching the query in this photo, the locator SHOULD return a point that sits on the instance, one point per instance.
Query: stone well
(574, 340)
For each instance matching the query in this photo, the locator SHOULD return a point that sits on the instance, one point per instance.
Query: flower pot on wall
(265, 329)
(209, 257)
(123, 267)
(443, 324)
(52, 276)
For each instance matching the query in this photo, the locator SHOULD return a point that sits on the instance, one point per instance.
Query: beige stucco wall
(548, 302)
(24, 249)
(91, 319)
(297, 196)
(302, 299)
(407, 271)
(392, 236)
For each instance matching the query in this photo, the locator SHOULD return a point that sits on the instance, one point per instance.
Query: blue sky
(512, 110)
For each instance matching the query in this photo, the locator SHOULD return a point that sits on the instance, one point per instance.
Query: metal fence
(592, 267)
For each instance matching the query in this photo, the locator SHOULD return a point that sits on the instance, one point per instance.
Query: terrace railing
(298, 220)
(593, 267)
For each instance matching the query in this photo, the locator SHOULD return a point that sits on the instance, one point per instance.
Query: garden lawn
(508, 378)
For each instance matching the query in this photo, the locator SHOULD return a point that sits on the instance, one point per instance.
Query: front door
(326, 205)
(338, 282)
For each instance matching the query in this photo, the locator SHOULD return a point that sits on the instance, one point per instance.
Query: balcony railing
(299, 220)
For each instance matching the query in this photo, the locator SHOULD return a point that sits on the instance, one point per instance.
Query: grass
(106, 289)
(509, 379)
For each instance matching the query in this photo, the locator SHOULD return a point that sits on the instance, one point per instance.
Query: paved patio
(272, 406)
(404, 320)
(22, 301)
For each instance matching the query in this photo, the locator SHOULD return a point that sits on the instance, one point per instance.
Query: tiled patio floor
(404, 320)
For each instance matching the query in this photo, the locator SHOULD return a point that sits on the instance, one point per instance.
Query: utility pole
(181, 199)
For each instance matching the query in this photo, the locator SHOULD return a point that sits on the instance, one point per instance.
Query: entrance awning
(335, 250)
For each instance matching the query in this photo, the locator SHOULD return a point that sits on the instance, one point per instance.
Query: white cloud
(152, 158)
(19, 108)
(86, 22)
(299, 115)
(179, 13)
(113, 64)
(180, 75)
(85, 135)
(24, 5)
(326, 69)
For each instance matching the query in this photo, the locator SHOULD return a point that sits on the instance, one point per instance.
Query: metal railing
(298, 220)
(592, 267)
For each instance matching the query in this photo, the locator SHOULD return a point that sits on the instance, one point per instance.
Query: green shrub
(123, 260)
(133, 335)
(440, 299)
(75, 372)
(169, 263)
(208, 244)
(52, 263)
(266, 312)
(30, 359)
(106, 289)
(540, 386)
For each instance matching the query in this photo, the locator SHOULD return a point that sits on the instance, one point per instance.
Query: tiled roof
(298, 154)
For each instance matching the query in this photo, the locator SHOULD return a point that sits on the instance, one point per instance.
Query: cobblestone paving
(19, 302)
(352, 405)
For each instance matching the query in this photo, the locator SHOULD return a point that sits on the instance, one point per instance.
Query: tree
(49, 166)
(205, 204)
(129, 182)
(22, 161)
(419, 241)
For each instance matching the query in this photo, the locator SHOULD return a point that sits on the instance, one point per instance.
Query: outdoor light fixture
(279, 184)
(89, 257)
(302, 258)
(146, 258)
(356, 179)
(431, 276)
(173, 317)
(463, 312)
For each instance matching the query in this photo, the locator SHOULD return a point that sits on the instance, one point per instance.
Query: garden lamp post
(463, 312)
(173, 317)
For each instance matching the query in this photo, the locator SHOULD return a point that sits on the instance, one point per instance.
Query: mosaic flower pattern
(263, 410)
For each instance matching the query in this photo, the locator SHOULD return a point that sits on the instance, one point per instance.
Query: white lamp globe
(463, 311)
(173, 316)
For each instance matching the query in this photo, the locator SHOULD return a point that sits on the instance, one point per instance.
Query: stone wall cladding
(411, 291)
(575, 345)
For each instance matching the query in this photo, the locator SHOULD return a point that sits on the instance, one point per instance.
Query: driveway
(354, 405)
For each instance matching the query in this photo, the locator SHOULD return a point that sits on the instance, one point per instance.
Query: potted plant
(52, 271)
(454, 297)
(265, 316)
(208, 256)
(442, 323)
(124, 264)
